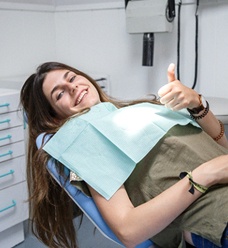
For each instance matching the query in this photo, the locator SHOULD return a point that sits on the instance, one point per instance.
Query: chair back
(85, 203)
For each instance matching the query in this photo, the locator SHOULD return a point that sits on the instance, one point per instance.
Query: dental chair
(85, 203)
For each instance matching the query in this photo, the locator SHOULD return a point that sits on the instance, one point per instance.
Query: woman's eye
(72, 79)
(59, 95)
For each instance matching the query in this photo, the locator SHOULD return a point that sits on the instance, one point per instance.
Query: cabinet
(13, 187)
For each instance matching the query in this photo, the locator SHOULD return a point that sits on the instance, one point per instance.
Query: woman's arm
(132, 225)
(177, 96)
(211, 126)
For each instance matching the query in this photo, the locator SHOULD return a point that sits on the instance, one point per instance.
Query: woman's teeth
(81, 96)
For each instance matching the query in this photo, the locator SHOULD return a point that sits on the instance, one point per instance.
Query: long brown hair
(51, 210)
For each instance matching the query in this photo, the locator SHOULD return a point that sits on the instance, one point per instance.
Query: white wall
(95, 39)
(27, 39)
(213, 49)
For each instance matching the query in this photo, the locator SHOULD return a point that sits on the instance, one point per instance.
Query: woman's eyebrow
(57, 86)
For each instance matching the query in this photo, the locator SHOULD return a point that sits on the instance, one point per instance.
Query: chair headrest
(42, 138)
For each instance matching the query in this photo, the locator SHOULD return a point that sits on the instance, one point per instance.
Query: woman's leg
(200, 242)
(225, 238)
(189, 246)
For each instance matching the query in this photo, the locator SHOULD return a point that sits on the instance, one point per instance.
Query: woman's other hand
(214, 171)
(175, 95)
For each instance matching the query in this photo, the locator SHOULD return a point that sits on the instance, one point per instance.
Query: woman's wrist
(197, 105)
(193, 184)
(201, 110)
(212, 172)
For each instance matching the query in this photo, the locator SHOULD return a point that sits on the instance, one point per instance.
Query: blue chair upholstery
(85, 203)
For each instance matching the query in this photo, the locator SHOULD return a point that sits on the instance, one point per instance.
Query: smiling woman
(69, 93)
(171, 142)
(59, 82)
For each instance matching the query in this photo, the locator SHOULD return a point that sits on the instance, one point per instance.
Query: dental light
(149, 17)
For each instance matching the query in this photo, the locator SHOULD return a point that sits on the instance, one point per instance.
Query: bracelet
(202, 189)
(221, 132)
(205, 112)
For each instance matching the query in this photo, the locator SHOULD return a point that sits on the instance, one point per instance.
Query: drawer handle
(5, 154)
(6, 174)
(7, 120)
(6, 137)
(4, 105)
(10, 206)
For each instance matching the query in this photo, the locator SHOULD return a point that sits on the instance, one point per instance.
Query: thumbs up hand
(175, 95)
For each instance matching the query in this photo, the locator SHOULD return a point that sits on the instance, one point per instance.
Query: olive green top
(182, 149)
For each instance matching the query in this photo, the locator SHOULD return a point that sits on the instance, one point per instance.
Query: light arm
(177, 96)
(133, 225)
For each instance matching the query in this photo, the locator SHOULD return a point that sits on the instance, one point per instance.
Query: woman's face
(69, 93)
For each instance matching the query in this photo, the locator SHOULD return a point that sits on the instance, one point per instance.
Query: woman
(56, 92)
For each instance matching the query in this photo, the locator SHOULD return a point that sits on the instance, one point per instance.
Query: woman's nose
(72, 88)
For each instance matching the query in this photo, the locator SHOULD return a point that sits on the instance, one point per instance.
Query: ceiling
(59, 2)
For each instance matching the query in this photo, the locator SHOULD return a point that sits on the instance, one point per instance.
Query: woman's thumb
(171, 73)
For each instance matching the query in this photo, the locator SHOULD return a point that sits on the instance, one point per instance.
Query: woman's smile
(81, 96)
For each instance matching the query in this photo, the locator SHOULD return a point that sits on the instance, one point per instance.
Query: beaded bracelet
(221, 132)
(205, 112)
(202, 189)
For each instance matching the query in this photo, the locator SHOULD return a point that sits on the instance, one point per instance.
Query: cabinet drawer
(12, 236)
(11, 135)
(9, 100)
(13, 205)
(10, 120)
(12, 151)
(12, 172)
